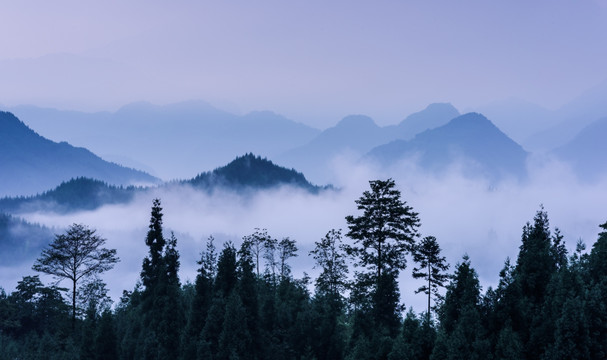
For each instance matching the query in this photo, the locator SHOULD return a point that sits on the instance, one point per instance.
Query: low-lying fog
(467, 216)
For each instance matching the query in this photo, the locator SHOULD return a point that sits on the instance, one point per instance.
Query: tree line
(245, 302)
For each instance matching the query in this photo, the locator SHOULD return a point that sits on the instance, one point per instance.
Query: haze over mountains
(151, 137)
(470, 140)
(30, 163)
(180, 140)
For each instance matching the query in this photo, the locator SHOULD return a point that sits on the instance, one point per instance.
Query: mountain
(250, 172)
(20, 240)
(30, 163)
(433, 116)
(244, 174)
(469, 139)
(355, 135)
(73, 195)
(586, 152)
(572, 118)
(171, 141)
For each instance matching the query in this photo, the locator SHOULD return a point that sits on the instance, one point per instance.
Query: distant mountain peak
(471, 138)
(433, 116)
(356, 122)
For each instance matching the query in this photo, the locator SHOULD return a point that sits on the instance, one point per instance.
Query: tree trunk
(74, 305)
(429, 292)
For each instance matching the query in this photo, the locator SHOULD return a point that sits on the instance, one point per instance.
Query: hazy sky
(313, 61)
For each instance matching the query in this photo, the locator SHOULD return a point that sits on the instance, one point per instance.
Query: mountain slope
(30, 163)
(586, 152)
(469, 139)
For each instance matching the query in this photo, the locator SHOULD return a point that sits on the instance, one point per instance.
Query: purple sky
(313, 61)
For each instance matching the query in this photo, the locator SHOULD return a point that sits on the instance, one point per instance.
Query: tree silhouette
(76, 255)
(431, 267)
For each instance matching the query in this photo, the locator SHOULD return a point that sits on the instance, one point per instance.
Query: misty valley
(429, 239)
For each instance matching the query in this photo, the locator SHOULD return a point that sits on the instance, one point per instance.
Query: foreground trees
(552, 309)
(383, 235)
(431, 267)
(77, 256)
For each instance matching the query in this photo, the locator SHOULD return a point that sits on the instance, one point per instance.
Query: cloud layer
(466, 215)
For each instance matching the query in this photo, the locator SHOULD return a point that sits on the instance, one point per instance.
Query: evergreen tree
(201, 302)
(382, 235)
(408, 343)
(105, 340)
(431, 267)
(386, 230)
(461, 334)
(226, 271)
(153, 265)
(235, 339)
(535, 267)
(597, 265)
(161, 305)
(247, 290)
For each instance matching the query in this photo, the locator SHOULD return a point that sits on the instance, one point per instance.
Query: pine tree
(382, 235)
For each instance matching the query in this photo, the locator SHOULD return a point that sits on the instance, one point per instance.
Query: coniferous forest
(247, 304)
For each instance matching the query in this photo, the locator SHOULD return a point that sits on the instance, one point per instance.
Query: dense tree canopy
(546, 305)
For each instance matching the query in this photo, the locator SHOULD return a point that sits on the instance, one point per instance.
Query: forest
(246, 303)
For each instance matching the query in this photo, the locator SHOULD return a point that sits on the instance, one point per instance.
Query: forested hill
(30, 163)
(245, 173)
(250, 172)
(73, 195)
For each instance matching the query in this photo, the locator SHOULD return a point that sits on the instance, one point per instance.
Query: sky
(312, 61)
